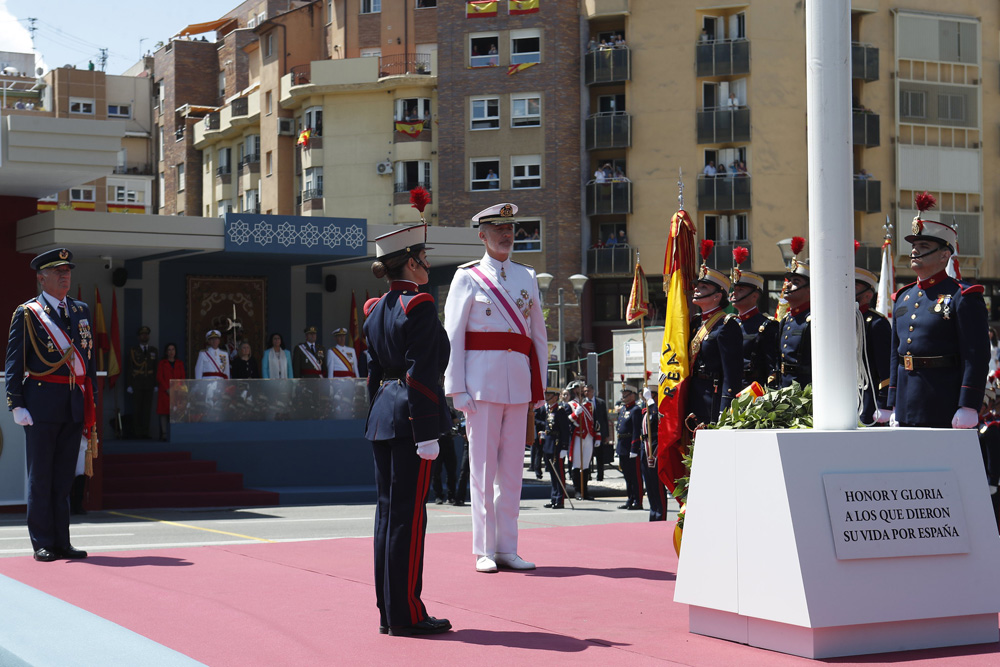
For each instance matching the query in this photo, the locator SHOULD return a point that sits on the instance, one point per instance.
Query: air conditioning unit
(286, 126)
(383, 168)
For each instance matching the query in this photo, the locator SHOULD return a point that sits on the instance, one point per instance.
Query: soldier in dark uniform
(760, 332)
(716, 349)
(51, 342)
(656, 492)
(878, 335)
(555, 445)
(407, 354)
(630, 445)
(308, 358)
(794, 341)
(989, 443)
(537, 463)
(602, 439)
(940, 336)
(140, 380)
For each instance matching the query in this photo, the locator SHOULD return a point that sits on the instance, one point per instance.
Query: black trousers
(447, 459)
(656, 492)
(142, 400)
(536, 457)
(401, 479)
(556, 475)
(51, 450)
(632, 472)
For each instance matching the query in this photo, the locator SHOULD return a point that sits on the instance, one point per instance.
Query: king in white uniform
(212, 362)
(341, 362)
(493, 318)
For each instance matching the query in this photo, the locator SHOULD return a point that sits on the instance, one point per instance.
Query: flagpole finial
(888, 229)
(680, 188)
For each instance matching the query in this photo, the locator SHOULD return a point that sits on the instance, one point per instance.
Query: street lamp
(578, 281)
(785, 247)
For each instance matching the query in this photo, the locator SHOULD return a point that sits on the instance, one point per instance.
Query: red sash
(343, 374)
(512, 342)
(215, 375)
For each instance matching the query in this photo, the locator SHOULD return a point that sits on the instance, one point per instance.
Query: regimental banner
(480, 8)
(295, 235)
(518, 67)
(412, 129)
(893, 514)
(518, 7)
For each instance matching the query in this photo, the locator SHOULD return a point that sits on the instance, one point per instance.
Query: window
(313, 119)
(161, 144)
(485, 174)
(371, 6)
(251, 201)
(313, 184)
(225, 206)
(613, 103)
(120, 110)
(612, 233)
(525, 171)
(726, 228)
(222, 83)
(526, 110)
(269, 163)
(371, 53)
(252, 23)
(225, 165)
(180, 177)
(913, 103)
(261, 17)
(525, 46)
(270, 43)
(527, 236)
(411, 174)
(160, 194)
(124, 194)
(951, 107)
(483, 49)
(81, 194)
(267, 102)
(250, 149)
(329, 11)
(81, 105)
(426, 4)
(413, 108)
(485, 113)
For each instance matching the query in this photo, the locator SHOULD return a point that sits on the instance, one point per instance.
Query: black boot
(76, 494)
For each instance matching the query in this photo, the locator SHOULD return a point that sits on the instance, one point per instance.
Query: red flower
(706, 248)
(925, 201)
(419, 199)
(740, 254)
(798, 243)
(857, 246)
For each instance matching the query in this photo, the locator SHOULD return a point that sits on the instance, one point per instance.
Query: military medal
(488, 312)
(946, 307)
(503, 272)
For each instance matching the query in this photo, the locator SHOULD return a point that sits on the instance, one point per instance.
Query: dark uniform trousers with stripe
(407, 355)
(656, 492)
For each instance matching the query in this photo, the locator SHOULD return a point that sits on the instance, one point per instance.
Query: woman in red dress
(169, 368)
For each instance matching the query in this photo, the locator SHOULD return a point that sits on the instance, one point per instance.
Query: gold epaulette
(469, 265)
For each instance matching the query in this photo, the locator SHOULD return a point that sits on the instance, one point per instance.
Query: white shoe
(513, 562)
(485, 564)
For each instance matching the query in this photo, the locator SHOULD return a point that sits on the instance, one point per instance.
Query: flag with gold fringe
(638, 300)
(519, 67)
(518, 7)
(480, 8)
(412, 129)
(303, 139)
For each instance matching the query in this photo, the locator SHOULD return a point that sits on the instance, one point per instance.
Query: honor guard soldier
(760, 332)
(629, 430)
(878, 337)
(494, 320)
(794, 340)
(555, 446)
(940, 335)
(212, 362)
(308, 357)
(342, 361)
(407, 353)
(51, 370)
(582, 437)
(716, 346)
(656, 492)
(140, 380)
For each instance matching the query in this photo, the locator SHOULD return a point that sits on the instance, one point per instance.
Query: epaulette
(971, 289)
(902, 289)
(469, 265)
(411, 301)
(527, 266)
(370, 303)
(730, 317)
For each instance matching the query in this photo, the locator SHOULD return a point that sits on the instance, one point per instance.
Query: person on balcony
(710, 171)
(732, 102)
(599, 176)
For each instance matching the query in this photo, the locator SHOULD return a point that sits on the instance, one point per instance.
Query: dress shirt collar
(496, 265)
(933, 280)
(52, 301)
(747, 315)
(865, 308)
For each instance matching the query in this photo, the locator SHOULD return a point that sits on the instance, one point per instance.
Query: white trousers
(496, 434)
(583, 449)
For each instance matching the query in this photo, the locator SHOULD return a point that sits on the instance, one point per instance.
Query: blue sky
(72, 32)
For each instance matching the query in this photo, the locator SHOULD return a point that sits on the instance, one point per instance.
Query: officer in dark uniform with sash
(878, 335)
(555, 445)
(630, 445)
(308, 359)
(794, 340)
(51, 372)
(407, 354)
(716, 349)
(760, 332)
(940, 336)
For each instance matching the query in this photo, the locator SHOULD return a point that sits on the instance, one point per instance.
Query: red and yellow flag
(356, 337)
(523, 7)
(518, 67)
(679, 274)
(47, 205)
(480, 8)
(412, 129)
(638, 300)
(101, 341)
(83, 205)
(303, 139)
(115, 351)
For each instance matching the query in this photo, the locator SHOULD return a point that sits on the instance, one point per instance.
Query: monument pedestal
(832, 543)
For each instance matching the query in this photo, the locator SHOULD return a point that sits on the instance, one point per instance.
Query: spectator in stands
(244, 366)
(277, 361)
(622, 238)
(710, 170)
(599, 175)
(169, 368)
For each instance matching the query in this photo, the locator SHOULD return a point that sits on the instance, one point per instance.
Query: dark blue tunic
(795, 348)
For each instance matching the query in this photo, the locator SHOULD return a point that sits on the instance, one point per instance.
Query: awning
(199, 28)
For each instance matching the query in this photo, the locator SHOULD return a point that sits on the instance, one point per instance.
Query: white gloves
(563, 454)
(633, 455)
(464, 403)
(128, 390)
(647, 396)
(428, 449)
(22, 417)
(892, 420)
(883, 415)
(965, 418)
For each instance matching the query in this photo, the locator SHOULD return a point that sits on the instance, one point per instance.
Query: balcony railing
(722, 58)
(724, 193)
(612, 197)
(252, 209)
(240, 106)
(135, 168)
(213, 121)
(250, 158)
(723, 125)
(406, 186)
(301, 74)
(611, 260)
(864, 62)
(223, 170)
(609, 130)
(866, 129)
(721, 257)
(312, 193)
(608, 66)
(867, 195)
(404, 63)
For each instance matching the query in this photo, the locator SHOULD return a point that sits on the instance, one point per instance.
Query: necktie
(63, 312)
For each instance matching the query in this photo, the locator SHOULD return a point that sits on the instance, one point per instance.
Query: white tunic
(333, 362)
(205, 363)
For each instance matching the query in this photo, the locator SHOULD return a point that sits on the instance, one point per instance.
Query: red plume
(740, 254)
(798, 243)
(925, 201)
(706, 248)
(857, 246)
(648, 373)
(419, 199)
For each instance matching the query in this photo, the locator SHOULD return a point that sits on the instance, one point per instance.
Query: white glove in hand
(965, 418)
(883, 416)
(22, 417)
(428, 449)
(464, 403)
(633, 455)
(563, 454)
(892, 420)
(647, 395)
(128, 390)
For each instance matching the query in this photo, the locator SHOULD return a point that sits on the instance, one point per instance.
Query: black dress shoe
(626, 506)
(383, 629)
(428, 626)
(636, 507)
(555, 506)
(578, 497)
(70, 552)
(459, 503)
(439, 501)
(46, 555)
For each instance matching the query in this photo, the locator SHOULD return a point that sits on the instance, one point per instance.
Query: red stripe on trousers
(417, 539)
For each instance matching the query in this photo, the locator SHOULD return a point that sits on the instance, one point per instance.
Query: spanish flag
(355, 336)
(480, 8)
(47, 205)
(303, 139)
(115, 348)
(638, 300)
(679, 274)
(514, 69)
(83, 205)
(523, 7)
(410, 129)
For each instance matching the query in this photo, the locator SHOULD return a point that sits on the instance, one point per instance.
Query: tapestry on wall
(235, 305)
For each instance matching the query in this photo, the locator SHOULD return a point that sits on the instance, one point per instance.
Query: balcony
(867, 196)
(252, 158)
(312, 193)
(609, 130)
(213, 121)
(608, 66)
(223, 170)
(864, 62)
(723, 125)
(721, 257)
(611, 260)
(135, 169)
(401, 191)
(240, 107)
(722, 58)
(866, 126)
(414, 129)
(612, 197)
(724, 193)
(404, 63)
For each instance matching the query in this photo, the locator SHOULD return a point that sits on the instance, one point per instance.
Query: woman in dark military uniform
(407, 354)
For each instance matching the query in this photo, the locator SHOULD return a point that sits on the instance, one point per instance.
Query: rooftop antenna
(103, 59)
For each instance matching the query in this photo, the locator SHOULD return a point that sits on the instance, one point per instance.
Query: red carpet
(602, 595)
